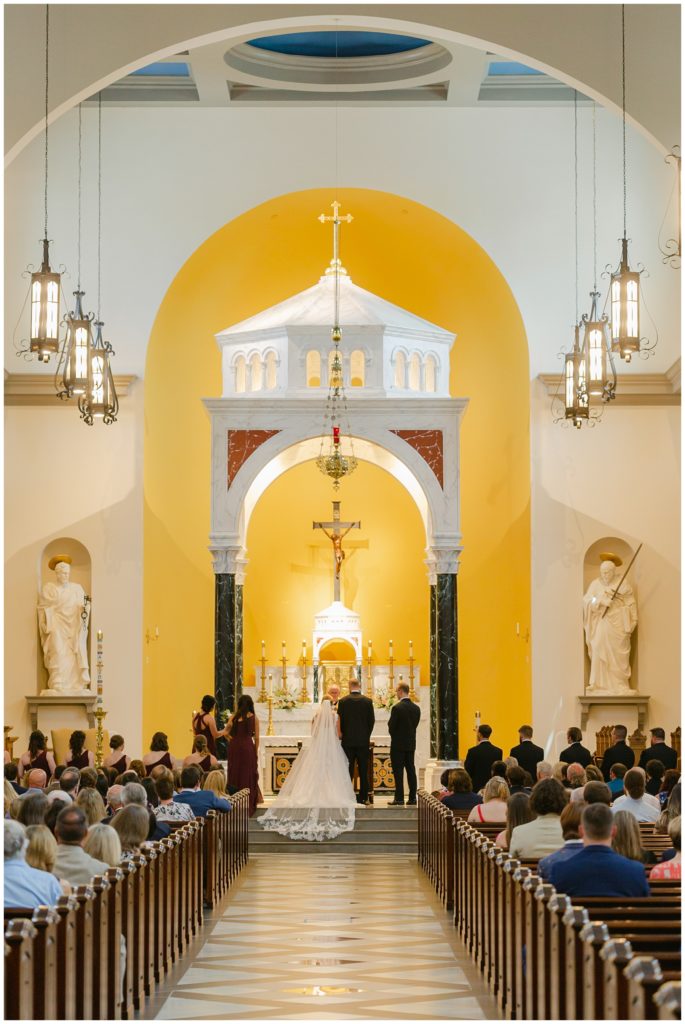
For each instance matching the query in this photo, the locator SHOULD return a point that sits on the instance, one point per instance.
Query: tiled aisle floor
(351, 938)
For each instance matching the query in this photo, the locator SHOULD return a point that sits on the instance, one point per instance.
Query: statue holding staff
(609, 618)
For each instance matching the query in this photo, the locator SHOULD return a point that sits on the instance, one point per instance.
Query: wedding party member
(618, 753)
(518, 813)
(243, 729)
(317, 800)
(158, 753)
(79, 758)
(479, 759)
(118, 759)
(494, 806)
(402, 726)
(575, 752)
(460, 795)
(356, 720)
(204, 723)
(526, 752)
(201, 756)
(658, 748)
(37, 756)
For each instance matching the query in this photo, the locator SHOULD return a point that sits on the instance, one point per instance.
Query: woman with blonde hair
(10, 797)
(92, 805)
(41, 853)
(627, 840)
(559, 772)
(103, 843)
(494, 806)
(216, 781)
(593, 773)
(132, 823)
(201, 756)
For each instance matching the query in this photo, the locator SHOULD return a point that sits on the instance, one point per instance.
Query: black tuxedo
(479, 761)
(660, 752)
(620, 753)
(357, 720)
(528, 756)
(576, 754)
(402, 726)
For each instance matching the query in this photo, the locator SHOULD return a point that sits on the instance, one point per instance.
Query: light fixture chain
(623, 87)
(78, 259)
(575, 184)
(47, 93)
(99, 201)
(594, 193)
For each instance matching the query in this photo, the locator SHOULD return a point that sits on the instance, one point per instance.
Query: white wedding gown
(317, 799)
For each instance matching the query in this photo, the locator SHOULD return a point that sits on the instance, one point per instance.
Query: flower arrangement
(384, 700)
(284, 701)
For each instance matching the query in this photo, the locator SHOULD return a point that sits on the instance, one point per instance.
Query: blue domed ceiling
(338, 44)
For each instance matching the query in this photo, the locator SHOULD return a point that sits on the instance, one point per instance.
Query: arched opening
(415, 372)
(240, 375)
(271, 371)
(313, 369)
(430, 374)
(400, 369)
(256, 372)
(357, 367)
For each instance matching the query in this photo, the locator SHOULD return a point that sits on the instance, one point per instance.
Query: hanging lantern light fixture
(99, 400)
(332, 462)
(576, 400)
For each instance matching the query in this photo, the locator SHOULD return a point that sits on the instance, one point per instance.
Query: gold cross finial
(336, 218)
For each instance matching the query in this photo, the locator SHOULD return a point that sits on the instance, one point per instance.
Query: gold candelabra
(304, 695)
(263, 696)
(99, 712)
(270, 723)
(412, 691)
(100, 715)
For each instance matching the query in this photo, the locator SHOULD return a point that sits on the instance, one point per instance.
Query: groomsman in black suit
(480, 759)
(402, 726)
(356, 720)
(527, 753)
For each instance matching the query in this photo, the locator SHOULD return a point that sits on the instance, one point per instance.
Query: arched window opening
(415, 372)
(240, 375)
(256, 373)
(430, 373)
(400, 370)
(271, 371)
(357, 367)
(313, 369)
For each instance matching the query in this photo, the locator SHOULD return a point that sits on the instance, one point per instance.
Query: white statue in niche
(609, 623)
(63, 613)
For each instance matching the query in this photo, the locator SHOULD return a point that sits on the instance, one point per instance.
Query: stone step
(384, 814)
(334, 846)
(363, 824)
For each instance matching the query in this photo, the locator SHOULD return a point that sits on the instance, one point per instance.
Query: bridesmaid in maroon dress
(159, 753)
(36, 756)
(201, 756)
(204, 723)
(243, 728)
(80, 758)
(118, 760)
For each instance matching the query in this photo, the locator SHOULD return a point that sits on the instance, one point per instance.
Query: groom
(355, 725)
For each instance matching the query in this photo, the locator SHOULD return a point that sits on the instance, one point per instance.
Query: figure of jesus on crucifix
(336, 531)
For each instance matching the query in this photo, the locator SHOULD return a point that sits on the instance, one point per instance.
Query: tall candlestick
(369, 651)
(283, 648)
(271, 685)
(263, 648)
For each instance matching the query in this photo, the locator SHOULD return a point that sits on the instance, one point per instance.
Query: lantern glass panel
(35, 309)
(52, 310)
(632, 309)
(596, 361)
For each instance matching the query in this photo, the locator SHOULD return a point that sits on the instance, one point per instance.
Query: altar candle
(391, 648)
(271, 685)
(304, 648)
(411, 648)
(283, 648)
(263, 648)
(369, 652)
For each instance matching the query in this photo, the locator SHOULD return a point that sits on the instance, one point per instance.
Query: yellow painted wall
(411, 256)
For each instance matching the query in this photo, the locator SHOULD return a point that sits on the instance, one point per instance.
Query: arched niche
(81, 572)
(591, 564)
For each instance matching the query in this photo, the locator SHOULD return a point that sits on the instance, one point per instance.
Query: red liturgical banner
(428, 443)
(241, 444)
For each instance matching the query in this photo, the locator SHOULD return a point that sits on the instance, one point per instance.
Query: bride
(317, 800)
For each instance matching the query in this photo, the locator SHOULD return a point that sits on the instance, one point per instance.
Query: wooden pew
(67, 908)
(667, 1001)
(19, 938)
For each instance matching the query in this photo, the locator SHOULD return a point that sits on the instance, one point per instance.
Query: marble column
(444, 666)
(228, 633)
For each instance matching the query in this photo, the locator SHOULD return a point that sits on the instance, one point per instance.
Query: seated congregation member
(460, 795)
(596, 793)
(616, 775)
(627, 840)
(11, 776)
(37, 756)
(655, 772)
(89, 778)
(32, 808)
(132, 825)
(92, 805)
(53, 812)
(169, 809)
(618, 753)
(593, 773)
(544, 770)
(25, 886)
(596, 870)
(158, 753)
(479, 759)
(73, 864)
(200, 801)
(570, 823)
(576, 779)
(527, 753)
(670, 868)
(41, 852)
(102, 843)
(10, 797)
(575, 752)
(134, 793)
(498, 769)
(671, 810)
(102, 784)
(444, 788)
(70, 783)
(559, 773)
(150, 788)
(216, 782)
(118, 759)
(79, 758)
(518, 813)
(494, 806)
(543, 835)
(658, 749)
(517, 780)
(204, 724)
(671, 778)
(634, 799)
(113, 801)
(201, 756)
(36, 781)
(138, 769)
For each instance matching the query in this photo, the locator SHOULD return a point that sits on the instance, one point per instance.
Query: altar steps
(377, 830)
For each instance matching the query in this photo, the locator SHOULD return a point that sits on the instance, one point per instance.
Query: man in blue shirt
(597, 870)
(616, 773)
(25, 886)
(199, 800)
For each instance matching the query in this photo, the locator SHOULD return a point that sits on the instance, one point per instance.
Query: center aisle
(351, 938)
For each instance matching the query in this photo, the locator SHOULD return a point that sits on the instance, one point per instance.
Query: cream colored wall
(620, 479)
(64, 479)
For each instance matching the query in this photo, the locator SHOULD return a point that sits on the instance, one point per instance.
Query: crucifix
(335, 531)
